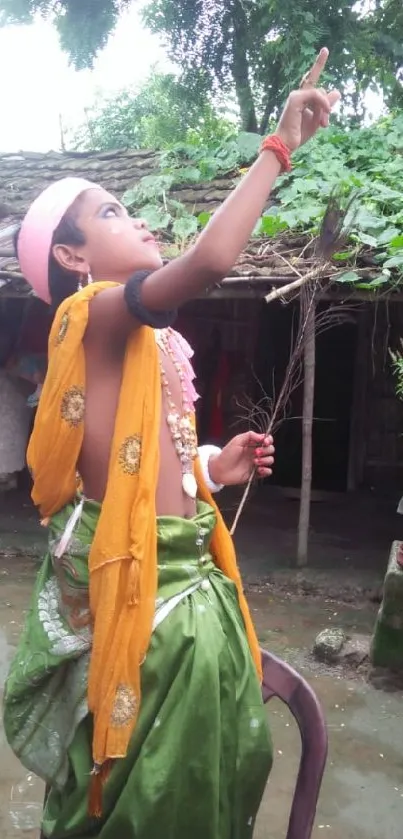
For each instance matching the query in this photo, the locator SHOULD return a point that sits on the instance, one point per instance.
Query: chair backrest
(281, 680)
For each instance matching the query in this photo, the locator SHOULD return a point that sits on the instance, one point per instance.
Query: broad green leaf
(156, 185)
(176, 208)
(381, 279)
(130, 197)
(302, 215)
(257, 230)
(373, 284)
(274, 210)
(204, 218)
(343, 256)
(248, 145)
(387, 236)
(184, 228)
(290, 218)
(372, 241)
(369, 222)
(385, 192)
(394, 262)
(348, 277)
(189, 174)
(156, 217)
(304, 185)
(271, 225)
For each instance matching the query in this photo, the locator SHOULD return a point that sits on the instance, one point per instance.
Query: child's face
(116, 245)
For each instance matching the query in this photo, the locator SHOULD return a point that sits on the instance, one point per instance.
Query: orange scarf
(123, 556)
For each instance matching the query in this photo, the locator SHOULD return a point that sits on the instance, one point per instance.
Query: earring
(84, 281)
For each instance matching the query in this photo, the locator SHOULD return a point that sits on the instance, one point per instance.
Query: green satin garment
(200, 754)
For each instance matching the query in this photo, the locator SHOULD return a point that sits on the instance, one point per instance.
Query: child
(135, 691)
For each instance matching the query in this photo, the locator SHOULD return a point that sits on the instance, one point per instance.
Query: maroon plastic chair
(279, 679)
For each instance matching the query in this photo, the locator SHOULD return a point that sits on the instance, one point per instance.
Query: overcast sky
(38, 84)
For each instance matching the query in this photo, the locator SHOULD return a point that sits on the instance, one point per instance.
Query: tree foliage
(84, 26)
(161, 112)
(257, 48)
(263, 47)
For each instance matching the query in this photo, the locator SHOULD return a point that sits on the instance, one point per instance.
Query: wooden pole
(307, 426)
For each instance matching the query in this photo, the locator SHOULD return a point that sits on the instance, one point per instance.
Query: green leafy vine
(364, 160)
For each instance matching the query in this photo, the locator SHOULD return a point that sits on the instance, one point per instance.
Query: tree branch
(240, 69)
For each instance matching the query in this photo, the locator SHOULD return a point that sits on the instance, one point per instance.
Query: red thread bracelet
(275, 144)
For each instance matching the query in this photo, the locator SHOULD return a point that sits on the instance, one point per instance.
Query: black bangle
(132, 295)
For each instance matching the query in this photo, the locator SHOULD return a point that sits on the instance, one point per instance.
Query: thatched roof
(24, 175)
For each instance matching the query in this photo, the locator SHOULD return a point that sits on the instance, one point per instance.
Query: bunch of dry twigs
(269, 413)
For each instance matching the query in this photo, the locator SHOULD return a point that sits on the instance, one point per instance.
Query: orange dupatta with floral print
(123, 555)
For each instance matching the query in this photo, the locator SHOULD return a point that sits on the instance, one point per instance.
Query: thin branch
(320, 323)
(283, 397)
(277, 293)
(332, 235)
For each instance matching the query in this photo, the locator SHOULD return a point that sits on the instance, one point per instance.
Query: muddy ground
(362, 792)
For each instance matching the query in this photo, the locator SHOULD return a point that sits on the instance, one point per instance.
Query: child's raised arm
(217, 248)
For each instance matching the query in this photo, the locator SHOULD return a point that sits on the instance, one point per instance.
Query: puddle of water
(362, 792)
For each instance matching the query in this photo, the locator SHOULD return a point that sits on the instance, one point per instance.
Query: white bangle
(205, 452)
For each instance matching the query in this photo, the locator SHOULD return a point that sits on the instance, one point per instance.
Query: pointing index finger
(311, 78)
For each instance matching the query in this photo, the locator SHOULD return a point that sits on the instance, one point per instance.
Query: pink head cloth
(38, 227)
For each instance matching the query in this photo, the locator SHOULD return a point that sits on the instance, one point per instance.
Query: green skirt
(200, 755)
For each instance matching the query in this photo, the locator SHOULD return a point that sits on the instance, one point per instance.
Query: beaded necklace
(181, 426)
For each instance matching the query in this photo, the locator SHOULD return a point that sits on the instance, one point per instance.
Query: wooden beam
(257, 287)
